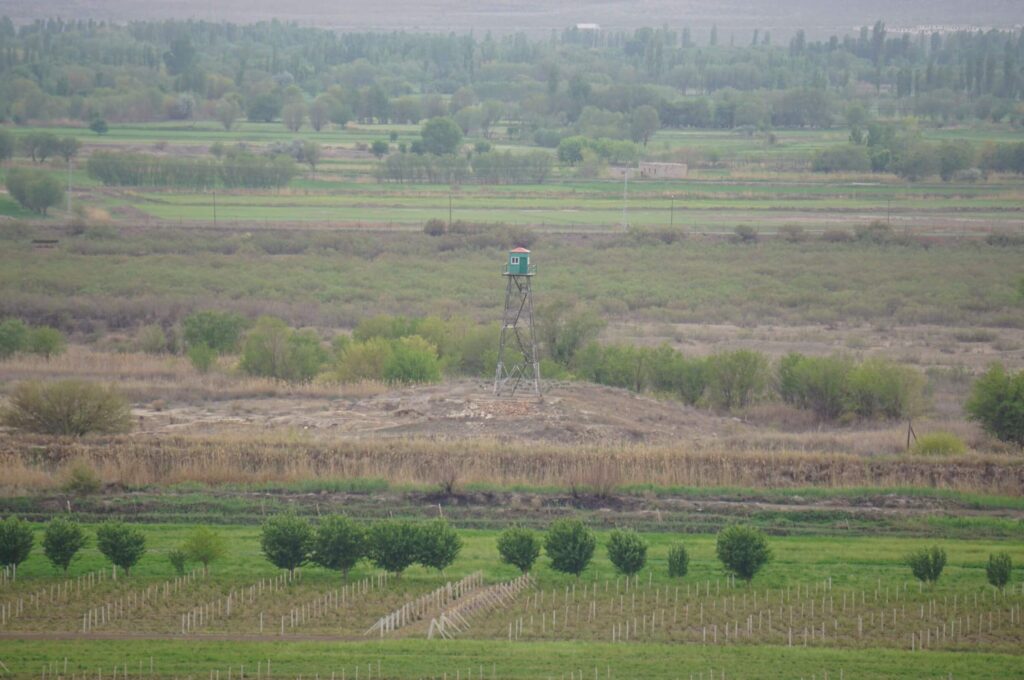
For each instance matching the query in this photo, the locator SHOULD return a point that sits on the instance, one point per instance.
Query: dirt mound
(568, 412)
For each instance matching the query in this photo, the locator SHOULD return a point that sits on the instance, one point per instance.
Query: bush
(878, 388)
(204, 545)
(736, 379)
(67, 407)
(435, 227)
(394, 545)
(678, 561)
(412, 360)
(274, 350)
(927, 563)
(569, 545)
(36, 190)
(202, 357)
(16, 541)
(285, 541)
(220, 331)
(743, 550)
(815, 383)
(999, 570)
(152, 339)
(519, 547)
(339, 544)
(940, 444)
(121, 544)
(841, 159)
(997, 403)
(62, 539)
(627, 551)
(81, 480)
(178, 560)
(439, 545)
(745, 233)
(46, 341)
(13, 337)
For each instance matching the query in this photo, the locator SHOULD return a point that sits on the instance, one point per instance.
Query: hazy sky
(735, 18)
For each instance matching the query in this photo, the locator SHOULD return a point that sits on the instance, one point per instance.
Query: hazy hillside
(735, 18)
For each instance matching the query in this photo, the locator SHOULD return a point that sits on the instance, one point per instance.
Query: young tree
(204, 545)
(339, 544)
(999, 569)
(62, 540)
(439, 545)
(99, 126)
(441, 136)
(46, 341)
(997, 403)
(394, 545)
(178, 560)
(285, 541)
(519, 547)
(643, 123)
(7, 145)
(228, 112)
(35, 189)
(380, 148)
(927, 563)
(627, 551)
(293, 115)
(735, 379)
(678, 561)
(569, 544)
(220, 331)
(121, 544)
(68, 147)
(16, 541)
(743, 550)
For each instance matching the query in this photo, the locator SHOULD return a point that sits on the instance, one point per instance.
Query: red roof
(519, 250)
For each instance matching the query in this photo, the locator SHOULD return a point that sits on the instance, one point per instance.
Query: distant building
(588, 27)
(648, 170)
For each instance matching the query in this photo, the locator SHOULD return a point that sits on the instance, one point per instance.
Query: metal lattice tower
(517, 351)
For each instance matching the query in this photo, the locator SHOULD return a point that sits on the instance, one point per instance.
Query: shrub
(412, 360)
(745, 233)
(927, 563)
(202, 357)
(879, 388)
(678, 561)
(876, 232)
(285, 541)
(815, 383)
(178, 560)
(439, 545)
(81, 480)
(519, 547)
(836, 236)
(62, 539)
(339, 543)
(36, 190)
(16, 541)
(627, 551)
(435, 227)
(736, 379)
(121, 544)
(743, 550)
(999, 569)
(997, 403)
(13, 337)
(850, 158)
(67, 407)
(569, 545)
(220, 331)
(940, 444)
(204, 545)
(46, 341)
(274, 350)
(792, 233)
(394, 545)
(152, 339)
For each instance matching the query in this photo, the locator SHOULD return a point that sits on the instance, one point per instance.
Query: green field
(803, 569)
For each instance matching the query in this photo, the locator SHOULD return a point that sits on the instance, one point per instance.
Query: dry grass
(145, 377)
(38, 463)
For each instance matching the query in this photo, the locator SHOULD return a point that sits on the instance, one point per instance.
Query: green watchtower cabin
(519, 263)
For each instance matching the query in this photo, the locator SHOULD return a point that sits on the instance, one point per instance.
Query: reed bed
(38, 463)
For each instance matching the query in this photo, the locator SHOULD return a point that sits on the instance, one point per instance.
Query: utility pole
(672, 213)
(625, 199)
(69, 187)
(215, 207)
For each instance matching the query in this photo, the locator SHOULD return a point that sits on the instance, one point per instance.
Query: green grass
(422, 658)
